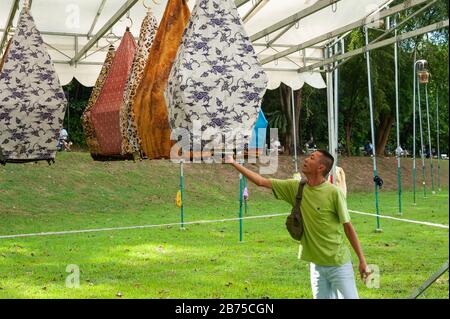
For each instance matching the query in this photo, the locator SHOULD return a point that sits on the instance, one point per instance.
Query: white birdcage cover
(216, 78)
(32, 101)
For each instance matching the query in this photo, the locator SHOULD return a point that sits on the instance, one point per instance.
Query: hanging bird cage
(422, 72)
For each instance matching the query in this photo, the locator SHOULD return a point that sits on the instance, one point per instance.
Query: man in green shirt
(326, 220)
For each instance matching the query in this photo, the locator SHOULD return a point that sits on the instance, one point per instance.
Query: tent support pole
(421, 143)
(372, 129)
(414, 130)
(294, 130)
(397, 112)
(336, 107)
(331, 118)
(9, 24)
(429, 140)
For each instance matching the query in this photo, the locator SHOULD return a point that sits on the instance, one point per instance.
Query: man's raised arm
(252, 176)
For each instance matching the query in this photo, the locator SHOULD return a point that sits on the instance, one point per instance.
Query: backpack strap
(298, 200)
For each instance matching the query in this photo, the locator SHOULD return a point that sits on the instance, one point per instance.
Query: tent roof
(66, 24)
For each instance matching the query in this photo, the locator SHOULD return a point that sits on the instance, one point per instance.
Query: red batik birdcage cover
(105, 113)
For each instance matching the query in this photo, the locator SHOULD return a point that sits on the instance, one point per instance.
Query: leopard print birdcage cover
(131, 142)
(86, 119)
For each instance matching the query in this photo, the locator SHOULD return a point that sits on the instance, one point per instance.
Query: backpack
(294, 222)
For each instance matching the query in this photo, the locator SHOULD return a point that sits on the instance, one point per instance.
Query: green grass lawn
(202, 261)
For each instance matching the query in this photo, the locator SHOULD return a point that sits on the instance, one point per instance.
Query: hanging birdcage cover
(149, 105)
(128, 127)
(216, 78)
(86, 119)
(32, 101)
(105, 113)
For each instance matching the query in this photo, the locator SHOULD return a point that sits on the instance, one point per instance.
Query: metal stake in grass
(438, 147)
(372, 129)
(182, 194)
(245, 199)
(399, 176)
(241, 195)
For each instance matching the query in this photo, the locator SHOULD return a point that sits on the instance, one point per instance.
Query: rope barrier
(202, 222)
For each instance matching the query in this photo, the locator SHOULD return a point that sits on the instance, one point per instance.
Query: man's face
(312, 164)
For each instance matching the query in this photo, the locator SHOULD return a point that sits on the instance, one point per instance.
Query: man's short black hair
(327, 160)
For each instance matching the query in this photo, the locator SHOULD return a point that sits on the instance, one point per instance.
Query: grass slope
(202, 261)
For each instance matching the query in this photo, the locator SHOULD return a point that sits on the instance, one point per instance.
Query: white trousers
(333, 282)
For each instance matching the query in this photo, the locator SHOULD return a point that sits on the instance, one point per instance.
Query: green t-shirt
(324, 210)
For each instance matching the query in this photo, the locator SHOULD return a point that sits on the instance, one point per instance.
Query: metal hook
(111, 33)
(334, 7)
(146, 7)
(26, 5)
(131, 20)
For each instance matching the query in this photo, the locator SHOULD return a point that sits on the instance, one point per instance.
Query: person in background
(64, 139)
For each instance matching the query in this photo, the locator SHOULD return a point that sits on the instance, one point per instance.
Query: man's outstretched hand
(228, 159)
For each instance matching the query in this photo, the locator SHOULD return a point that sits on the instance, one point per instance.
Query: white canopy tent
(67, 26)
(291, 37)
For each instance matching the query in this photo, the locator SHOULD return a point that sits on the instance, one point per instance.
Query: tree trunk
(348, 130)
(383, 132)
(285, 95)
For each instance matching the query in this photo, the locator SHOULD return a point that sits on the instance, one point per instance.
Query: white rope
(198, 223)
(135, 227)
(402, 219)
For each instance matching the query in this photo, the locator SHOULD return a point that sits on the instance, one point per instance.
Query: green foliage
(78, 99)
(72, 122)
(278, 120)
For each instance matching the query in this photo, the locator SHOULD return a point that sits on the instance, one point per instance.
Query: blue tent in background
(258, 139)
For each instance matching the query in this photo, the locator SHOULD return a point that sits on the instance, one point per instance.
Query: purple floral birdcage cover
(32, 102)
(216, 78)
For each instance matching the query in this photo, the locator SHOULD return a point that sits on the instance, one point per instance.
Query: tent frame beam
(97, 15)
(258, 6)
(395, 28)
(12, 14)
(108, 25)
(430, 28)
(293, 19)
(349, 27)
(240, 3)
